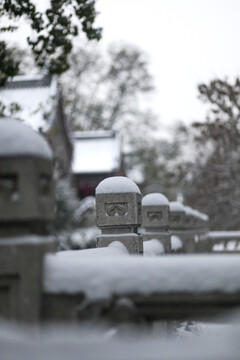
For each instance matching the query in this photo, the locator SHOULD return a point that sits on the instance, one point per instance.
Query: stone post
(26, 207)
(177, 216)
(203, 245)
(118, 212)
(155, 209)
(190, 230)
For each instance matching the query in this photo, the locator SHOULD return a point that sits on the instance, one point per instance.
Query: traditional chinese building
(41, 106)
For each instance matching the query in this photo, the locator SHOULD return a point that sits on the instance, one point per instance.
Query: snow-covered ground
(103, 343)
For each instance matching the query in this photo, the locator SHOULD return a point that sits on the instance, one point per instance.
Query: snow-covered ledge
(69, 272)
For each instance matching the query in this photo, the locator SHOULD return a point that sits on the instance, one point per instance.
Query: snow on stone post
(155, 209)
(189, 244)
(203, 245)
(118, 212)
(26, 206)
(177, 215)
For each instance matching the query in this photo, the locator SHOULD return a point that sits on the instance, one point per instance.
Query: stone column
(177, 215)
(190, 230)
(155, 209)
(26, 207)
(118, 212)
(203, 245)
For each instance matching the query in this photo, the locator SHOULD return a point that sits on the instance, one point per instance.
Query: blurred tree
(158, 161)
(9, 110)
(212, 181)
(52, 32)
(104, 89)
(107, 90)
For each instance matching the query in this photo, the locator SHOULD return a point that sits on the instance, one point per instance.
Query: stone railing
(114, 278)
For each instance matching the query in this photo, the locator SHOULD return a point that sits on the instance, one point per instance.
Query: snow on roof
(155, 199)
(117, 184)
(96, 152)
(123, 275)
(35, 95)
(19, 139)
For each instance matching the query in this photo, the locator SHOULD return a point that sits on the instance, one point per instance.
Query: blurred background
(144, 89)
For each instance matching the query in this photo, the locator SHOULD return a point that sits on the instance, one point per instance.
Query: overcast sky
(188, 41)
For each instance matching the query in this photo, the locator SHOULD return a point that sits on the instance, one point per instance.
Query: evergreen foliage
(53, 31)
(213, 177)
(9, 67)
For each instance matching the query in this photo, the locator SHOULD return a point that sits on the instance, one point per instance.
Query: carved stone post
(190, 230)
(155, 209)
(177, 227)
(118, 211)
(26, 206)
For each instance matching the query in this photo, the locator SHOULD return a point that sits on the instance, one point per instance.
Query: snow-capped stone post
(190, 233)
(118, 212)
(203, 244)
(177, 215)
(155, 210)
(26, 206)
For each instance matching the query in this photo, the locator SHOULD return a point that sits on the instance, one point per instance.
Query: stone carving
(44, 185)
(116, 209)
(154, 215)
(118, 213)
(139, 209)
(175, 218)
(8, 187)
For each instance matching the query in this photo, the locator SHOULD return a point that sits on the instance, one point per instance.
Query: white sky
(188, 41)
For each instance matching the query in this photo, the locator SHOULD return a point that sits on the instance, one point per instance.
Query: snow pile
(219, 247)
(134, 274)
(153, 247)
(81, 238)
(117, 184)
(98, 343)
(195, 328)
(232, 245)
(176, 242)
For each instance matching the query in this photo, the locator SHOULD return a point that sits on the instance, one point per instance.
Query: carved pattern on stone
(175, 218)
(44, 185)
(8, 187)
(139, 208)
(155, 215)
(116, 209)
